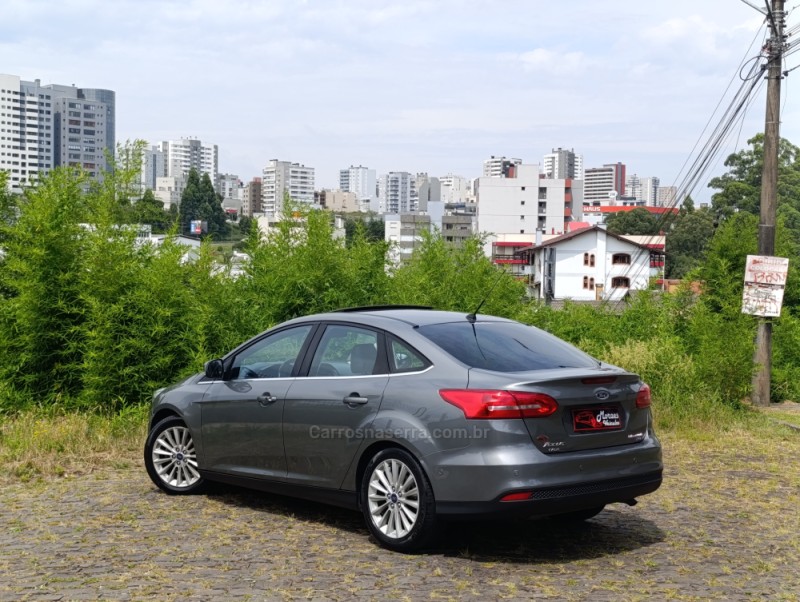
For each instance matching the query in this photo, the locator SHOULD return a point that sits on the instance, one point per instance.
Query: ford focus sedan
(411, 416)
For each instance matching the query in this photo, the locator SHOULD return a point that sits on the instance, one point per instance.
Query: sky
(411, 85)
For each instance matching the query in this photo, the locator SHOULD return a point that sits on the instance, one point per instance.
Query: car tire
(397, 501)
(579, 515)
(171, 459)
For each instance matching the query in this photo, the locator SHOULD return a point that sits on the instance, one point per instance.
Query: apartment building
(363, 183)
(281, 177)
(42, 127)
(604, 185)
(562, 164)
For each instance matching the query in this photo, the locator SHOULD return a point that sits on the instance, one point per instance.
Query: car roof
(412, 316)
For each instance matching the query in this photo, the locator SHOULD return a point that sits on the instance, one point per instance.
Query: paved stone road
(113, 536)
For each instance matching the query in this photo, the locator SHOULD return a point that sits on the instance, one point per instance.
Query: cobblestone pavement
(729, 532)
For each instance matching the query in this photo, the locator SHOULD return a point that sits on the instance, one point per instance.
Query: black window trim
(231, 357)
(381, 363)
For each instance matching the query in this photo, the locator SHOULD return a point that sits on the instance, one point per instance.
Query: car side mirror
(214, 369)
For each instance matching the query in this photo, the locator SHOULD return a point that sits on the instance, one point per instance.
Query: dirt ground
(725, 525)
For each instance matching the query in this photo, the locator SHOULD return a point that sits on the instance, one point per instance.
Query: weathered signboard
(764, 281)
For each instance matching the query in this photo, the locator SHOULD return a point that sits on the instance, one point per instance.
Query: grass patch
(38, 445)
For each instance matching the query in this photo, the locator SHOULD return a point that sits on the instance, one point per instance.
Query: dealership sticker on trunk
(597, 419)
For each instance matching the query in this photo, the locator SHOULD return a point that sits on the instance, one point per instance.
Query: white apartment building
(512, 209)
(587, 265)
(361, 181)
(280, 177)
(396, 192)
(642, 189)
(42, 127)
(169, 190)
(667, 196)
(180, 156)
(604, 185)
(562, 163)
(499, 167)
(26, 131)
(456, 190)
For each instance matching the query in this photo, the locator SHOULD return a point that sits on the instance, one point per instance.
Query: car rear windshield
(505, 347)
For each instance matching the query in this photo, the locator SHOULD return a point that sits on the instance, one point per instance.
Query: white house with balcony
(587, 265)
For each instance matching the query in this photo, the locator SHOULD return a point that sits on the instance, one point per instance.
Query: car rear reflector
(519, 496)
(485, 403)
(643, 396)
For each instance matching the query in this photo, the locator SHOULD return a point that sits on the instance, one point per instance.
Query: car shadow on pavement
(541, 541)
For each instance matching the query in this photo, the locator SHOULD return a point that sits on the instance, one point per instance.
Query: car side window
(403, 358)
(273, 356)
(345, 351)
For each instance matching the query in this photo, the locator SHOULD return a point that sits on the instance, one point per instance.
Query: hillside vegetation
(90, 321)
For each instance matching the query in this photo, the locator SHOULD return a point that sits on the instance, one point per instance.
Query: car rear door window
(346, 350)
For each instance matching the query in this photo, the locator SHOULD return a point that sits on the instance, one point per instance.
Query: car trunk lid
(596, 407)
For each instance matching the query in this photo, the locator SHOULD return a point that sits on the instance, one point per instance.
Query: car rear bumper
(557, 500)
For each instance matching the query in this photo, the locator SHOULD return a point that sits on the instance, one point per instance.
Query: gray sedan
(411, 416)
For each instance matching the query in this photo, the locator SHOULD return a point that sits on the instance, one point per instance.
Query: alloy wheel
(174, 457)
(394, 498)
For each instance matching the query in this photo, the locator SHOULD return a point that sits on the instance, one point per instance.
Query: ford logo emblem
(602, 394)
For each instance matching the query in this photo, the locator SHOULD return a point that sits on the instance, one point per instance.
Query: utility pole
(762, 358)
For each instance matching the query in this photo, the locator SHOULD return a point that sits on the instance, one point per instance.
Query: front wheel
(397, 501)
(170, 458)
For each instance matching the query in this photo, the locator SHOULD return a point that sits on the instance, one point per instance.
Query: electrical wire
(733, 114)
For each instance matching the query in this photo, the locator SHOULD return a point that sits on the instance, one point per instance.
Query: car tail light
(643, 397)
(483, 403)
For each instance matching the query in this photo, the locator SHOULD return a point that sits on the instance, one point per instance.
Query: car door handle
(354, 399)
(266, 399)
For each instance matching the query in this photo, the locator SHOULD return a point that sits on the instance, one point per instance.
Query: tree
(740, 188)
(372, 228)
(191, 202)
(687, 241)
(637, 222)
(150, 210)
(200, 202)
(211, 210)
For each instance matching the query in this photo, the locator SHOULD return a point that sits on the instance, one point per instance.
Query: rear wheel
(170, 458)
(397, 501)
